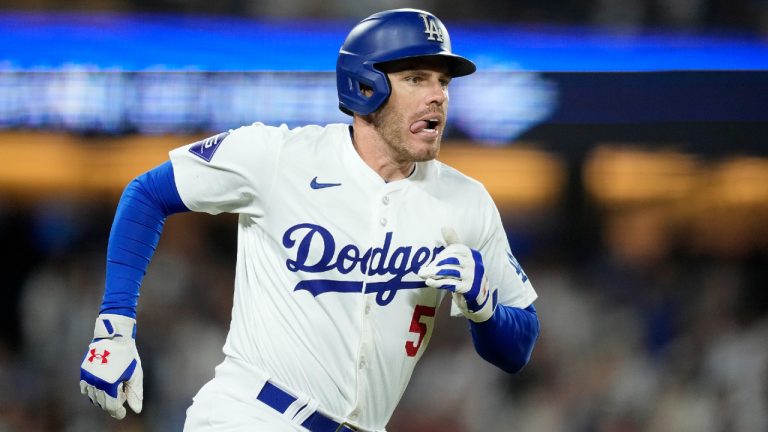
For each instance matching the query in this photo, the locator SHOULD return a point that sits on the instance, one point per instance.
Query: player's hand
(459, 269)
(111, 370)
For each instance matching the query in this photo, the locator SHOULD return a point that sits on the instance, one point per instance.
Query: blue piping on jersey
(136, 229)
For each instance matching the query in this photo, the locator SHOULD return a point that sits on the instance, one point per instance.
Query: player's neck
(377, 154)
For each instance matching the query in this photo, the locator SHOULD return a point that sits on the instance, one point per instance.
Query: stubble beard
(391, 126)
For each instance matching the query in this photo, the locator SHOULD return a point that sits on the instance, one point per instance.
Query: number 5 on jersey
(423, 317)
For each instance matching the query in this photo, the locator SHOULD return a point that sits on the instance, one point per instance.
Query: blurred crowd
(638, 334)
(749, 15)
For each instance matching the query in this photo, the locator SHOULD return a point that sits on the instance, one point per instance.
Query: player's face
(412, 120)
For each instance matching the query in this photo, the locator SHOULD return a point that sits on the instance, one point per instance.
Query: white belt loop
(296, 406)
(304, 413)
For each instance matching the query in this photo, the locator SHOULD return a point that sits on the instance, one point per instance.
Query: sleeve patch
(205, 149)
(518, 268)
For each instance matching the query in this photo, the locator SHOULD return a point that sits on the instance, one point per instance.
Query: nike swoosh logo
(315, 185)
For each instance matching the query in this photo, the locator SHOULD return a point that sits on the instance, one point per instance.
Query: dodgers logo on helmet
(431, 28)
(383, 37)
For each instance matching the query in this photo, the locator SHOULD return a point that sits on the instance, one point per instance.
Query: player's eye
(414, 79)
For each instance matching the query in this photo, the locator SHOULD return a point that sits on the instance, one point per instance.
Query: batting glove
(459, 269)
(111, 370)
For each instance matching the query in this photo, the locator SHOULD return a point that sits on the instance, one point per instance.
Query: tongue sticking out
(418, 126)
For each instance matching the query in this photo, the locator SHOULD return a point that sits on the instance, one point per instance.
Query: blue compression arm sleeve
(506, 340)
(139, 219)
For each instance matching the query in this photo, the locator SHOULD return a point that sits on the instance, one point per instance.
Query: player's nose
(437, 92)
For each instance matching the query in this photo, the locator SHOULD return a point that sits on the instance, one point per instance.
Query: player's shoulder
(448, 173)
(450, 179)
(452, 187)
(463, 200)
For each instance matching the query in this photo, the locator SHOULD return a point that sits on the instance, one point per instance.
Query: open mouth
(432, 125)
(429, 125)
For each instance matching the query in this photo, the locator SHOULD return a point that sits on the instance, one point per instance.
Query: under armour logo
(431, 28)
(102, 357)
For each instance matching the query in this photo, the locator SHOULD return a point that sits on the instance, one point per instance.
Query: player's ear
(366, 90)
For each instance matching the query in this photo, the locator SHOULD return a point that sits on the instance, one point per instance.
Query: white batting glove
(459, 269)
(111, 370)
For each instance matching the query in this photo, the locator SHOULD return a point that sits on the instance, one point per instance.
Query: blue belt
(279, 400)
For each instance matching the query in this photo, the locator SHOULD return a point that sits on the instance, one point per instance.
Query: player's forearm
(507, 339)
(136, 229)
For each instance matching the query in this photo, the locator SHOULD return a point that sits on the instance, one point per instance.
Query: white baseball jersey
(327, 302)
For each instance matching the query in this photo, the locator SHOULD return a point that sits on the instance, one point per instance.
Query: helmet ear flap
(353, 78)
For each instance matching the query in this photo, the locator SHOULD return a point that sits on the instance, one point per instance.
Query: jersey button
(354, 415)
(385, 200)
(367, 309)
(383, 221)
(362, 364)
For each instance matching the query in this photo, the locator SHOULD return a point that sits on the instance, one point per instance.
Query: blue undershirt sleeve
(507, 339)
(136, 229)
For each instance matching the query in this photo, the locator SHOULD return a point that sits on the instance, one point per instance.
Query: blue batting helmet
(386, 36)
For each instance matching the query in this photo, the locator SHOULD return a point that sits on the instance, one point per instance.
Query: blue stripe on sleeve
(507, 339)
(136, 230)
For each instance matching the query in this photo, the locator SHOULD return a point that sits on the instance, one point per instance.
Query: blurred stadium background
(624, 141)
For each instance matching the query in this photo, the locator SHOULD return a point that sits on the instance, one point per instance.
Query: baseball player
(350, 236)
